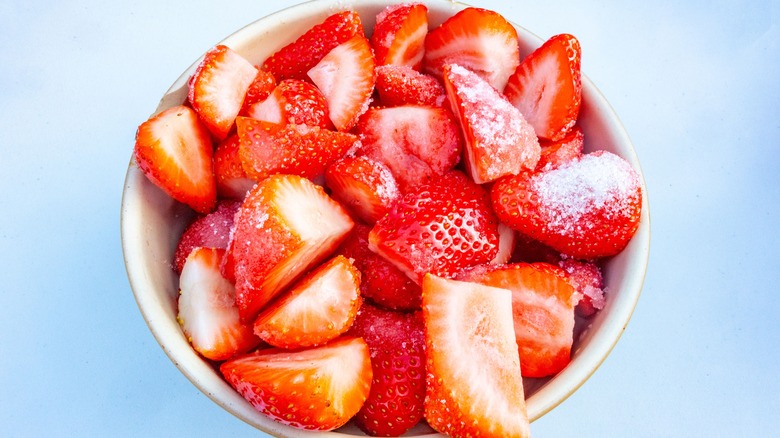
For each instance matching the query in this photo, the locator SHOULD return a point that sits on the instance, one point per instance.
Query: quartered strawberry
(587, 280)
(318, 388)
(232, 180)
(295, 59)
(174, 150)
(543, 312)
(260, 88)
(396, 342)
(364, 186)
(346, 77)
(211, 231)
(293, 101)
(474, 385)
(317, 309)
(285, 226)
(547, 87)
(207, 308)
(498, 140)
(586, 209)
(402, 85)
(440, 227)
(477, 39)
(557, 153)
(218, 87)
(399, 35)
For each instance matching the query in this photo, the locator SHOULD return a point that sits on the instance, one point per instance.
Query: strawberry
(207, 308)
(440, 227)
(547, 87)
(315, 389)
(417, 143)
(586, 209)
(507, 239)
(587, 280)
(218, 87)
(557, 153)
(399, 35)
(260, 88)
(543, 311)
(531, 251)
(396, 342)
(211, 231)
(346, 77)
(293, 101)
(232, 180)
(474, 385)
(498, 139)
(295, 59)
(401, 85)
(364, 186)
(173, 149)
(285, 226)
(477, 39)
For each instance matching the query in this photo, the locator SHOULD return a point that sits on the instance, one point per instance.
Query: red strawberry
(498, 139)
(397, 345)
(474, 385)
(557, 153)
(295, 102)
(295, 59)
(586, 209)
(207, 308)
(218, 87)
(528, 250)
(586, 279)
(477, 39)
(285, 226)
(173, 149)
(364, 186)
(441, 228)
(507, 239)
(315, 389)
(232, 180)
(260, 88)
(547, 87)
(211, 231)
(399, 35)
(346, 77)
(401, 85)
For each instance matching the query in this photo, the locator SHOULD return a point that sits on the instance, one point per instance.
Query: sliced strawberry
(586, 209)
(364, 186)
(587, 280)
(260, 88)
(346, 77)
(218, 87)
(295, 102)
(401, 85)
(547, 87)
(399, 35)
(285, 226)
(207, 308)
(315, 389)
(232, 180)
(557, 153)
(474, 385)
(210, 231)
(477, 39)
(498, 140)
(174, 150)
(295, 59)
(507, 239)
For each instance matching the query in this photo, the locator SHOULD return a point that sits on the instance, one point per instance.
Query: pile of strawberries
(392, 230)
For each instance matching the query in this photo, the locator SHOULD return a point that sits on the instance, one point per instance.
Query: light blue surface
(697, 85)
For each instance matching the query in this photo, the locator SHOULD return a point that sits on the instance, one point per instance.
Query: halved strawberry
(260, 88)
(207, 308)
(293, 101)
(285, 226)
(498, 140)
(174, 150)
(218, 87)
(399, 35)
(346, 77)
(474, 385)
(547, 87)
(587, 280)
(317, 309)
(557, 153)
(477, 39)
(315, 389)
(401, 85)
(364, 186)
(232, 180)
(211, 231)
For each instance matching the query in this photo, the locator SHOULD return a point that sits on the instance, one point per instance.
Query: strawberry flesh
(232, 180)
(364, 186)
(399, 35)
(295, 102)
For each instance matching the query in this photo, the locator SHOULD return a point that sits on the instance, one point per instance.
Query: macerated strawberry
(587, 280)
(474, 385)
(232, 180)
(477, 39)
(557, 153)
(547, 87)
(317, 388)
(260, 88)
(174, 150)
(401, 85)
(293, 101)
(498, 140)
(399, 35)
(207, 308)
(210, 231)
(364, 186)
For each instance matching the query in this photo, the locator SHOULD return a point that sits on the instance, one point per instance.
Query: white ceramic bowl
(151, 224)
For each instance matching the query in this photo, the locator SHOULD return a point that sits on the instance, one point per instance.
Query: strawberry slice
(218, 87)
(401, 85)
(260, 88)
(587, 280)
(498, 140)
(477, 39)
(586, 209)
(346, 77)
(315, 310)
(174, 150)
(399, 35)
(557, 153)
(293, 101)
(295, 59)
(232, 180)
(547, 87)
(474, 385)
(364, 186)
(314, 389)
(207, 308)
(507, 239)
(285, 226)
(211, 231)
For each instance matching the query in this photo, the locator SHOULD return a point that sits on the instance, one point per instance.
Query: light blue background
(697, 85)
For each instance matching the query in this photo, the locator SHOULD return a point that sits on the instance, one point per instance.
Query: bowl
(151, 223)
